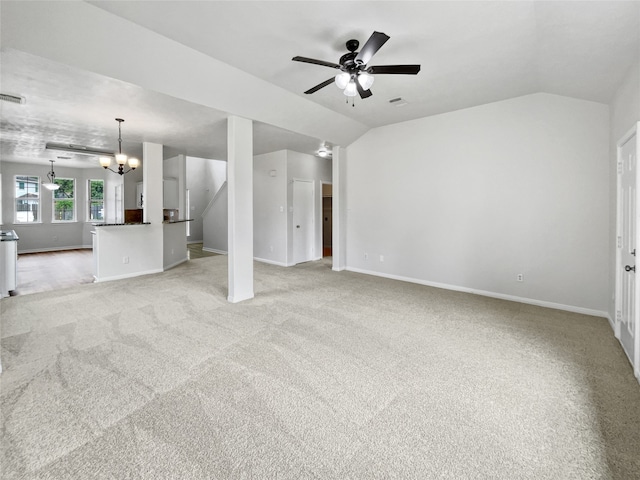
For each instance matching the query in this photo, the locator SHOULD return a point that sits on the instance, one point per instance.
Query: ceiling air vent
(12, 98)
(398, 102)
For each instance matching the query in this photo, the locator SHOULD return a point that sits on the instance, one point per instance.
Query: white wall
(301, 166)
(204, 179)
(47, 235)
(624, 113)
(130, 181)
(471, 198)
(215, 226)
(174, 244)
(270, 207)
(127, 251)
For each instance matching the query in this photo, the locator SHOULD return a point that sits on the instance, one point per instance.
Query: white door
(303, 221)
(627, 286)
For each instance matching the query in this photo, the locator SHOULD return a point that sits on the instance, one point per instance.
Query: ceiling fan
(356, 76)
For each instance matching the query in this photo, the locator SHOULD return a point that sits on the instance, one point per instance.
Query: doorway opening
(327, 220)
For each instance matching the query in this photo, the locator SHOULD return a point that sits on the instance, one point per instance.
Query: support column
(152, 182)
(339, 209)
(240, 194)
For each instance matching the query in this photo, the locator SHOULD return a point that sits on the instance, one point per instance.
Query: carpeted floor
(324, 375)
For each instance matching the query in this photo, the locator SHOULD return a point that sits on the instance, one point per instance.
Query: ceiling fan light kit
(356, 77)
(121, 158)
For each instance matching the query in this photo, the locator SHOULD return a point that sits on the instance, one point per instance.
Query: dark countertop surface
(178, 221)
(119, 224)
(8, 236)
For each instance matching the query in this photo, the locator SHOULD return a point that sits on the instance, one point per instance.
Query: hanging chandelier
(121, 158)
(51, 176)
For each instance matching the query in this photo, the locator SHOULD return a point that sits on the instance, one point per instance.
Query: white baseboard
(55, 249)
(127, 275)
(484, 293)
(272, 262)
(175, 264)
(214, 250)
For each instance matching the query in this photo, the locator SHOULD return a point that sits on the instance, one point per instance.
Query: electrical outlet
(382, 258)
(366, 256)
(520, 277)
(125, 259)
(55, 238)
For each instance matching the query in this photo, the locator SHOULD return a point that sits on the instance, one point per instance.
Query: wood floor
(41, 272)
(46, 271)
(194, 250)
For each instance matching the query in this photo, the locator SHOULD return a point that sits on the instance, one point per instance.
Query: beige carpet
(323, 375)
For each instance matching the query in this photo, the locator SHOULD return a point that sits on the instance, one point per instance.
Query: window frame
(54, 200)
(16, 220)
(90, 200)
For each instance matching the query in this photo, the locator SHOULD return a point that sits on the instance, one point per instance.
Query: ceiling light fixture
(51, 176)
(121, 158)
(324, 152)
(78, 149)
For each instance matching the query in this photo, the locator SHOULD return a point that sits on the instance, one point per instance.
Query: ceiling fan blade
(315, 62)
(394, 69)
(320, 85)
(363, 93)
(376, 40)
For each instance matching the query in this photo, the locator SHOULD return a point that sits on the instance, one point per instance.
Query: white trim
(174, 264)
(635, 362)
(231, 299)
(273, 262)
(214, 250)
(56, 249)
(127, 275)
(484, 293)
(189, 242)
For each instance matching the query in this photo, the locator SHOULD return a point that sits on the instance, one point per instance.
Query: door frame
(635, 130)
(322, 184)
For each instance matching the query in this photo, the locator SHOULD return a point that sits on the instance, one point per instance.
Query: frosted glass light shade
(105, 162)
(350, 90)
(121, 158)
(134, 163)
(51, 186)
(342, 79)
(365, 80)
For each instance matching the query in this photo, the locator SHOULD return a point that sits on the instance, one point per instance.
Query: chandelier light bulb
(365, 80)
(105, 162)
(121, 158)
(342, 79)
(350, 90)
(134, 163)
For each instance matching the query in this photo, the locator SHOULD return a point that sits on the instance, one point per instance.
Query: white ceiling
(471, 53)
(69, 105)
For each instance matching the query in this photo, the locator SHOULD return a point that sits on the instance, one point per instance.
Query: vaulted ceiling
(471, 53)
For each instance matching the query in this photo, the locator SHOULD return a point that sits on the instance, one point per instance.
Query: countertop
(178, 221)
(119, 224)
(8, 236)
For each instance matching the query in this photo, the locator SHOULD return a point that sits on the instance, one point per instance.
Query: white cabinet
(8, 261)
